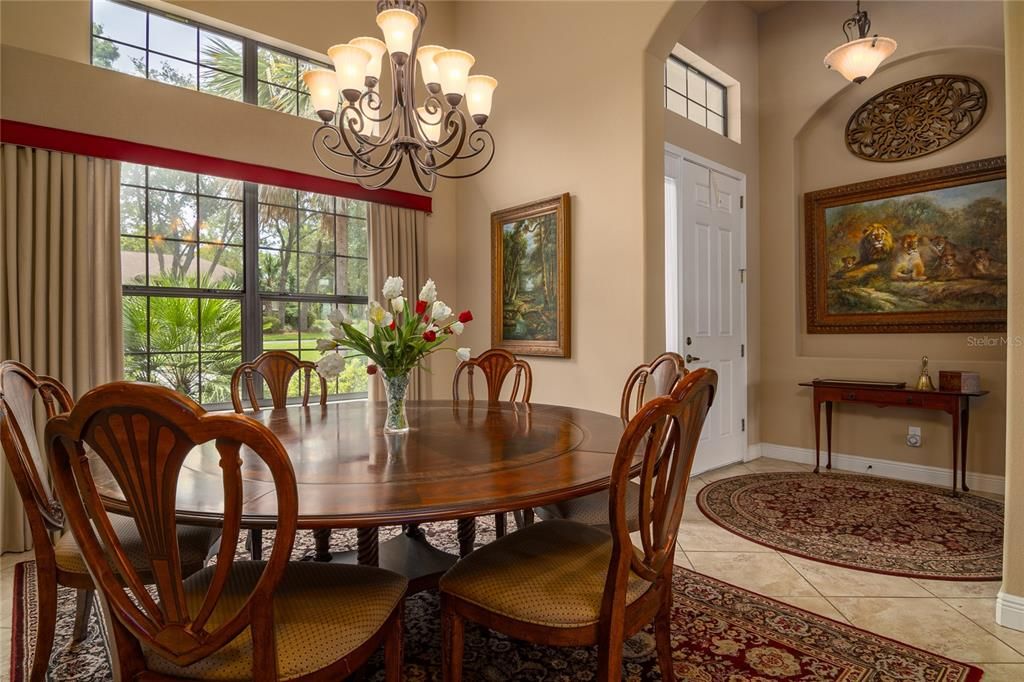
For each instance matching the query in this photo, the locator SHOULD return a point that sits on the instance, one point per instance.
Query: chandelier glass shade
(860, 55)
(362, 139)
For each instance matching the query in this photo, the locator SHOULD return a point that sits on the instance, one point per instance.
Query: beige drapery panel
(60, 281)
(398, 248)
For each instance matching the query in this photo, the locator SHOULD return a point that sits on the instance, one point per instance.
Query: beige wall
(568, 118)
(725, 34)
(805, 108)
(1013, 559)
(46, 79)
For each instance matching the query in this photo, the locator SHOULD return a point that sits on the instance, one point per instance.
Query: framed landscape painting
(921, 252)
(530, 304)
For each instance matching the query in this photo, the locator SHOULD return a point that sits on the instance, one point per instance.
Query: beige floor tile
(928, 623)
(818, 605)
(960, 588)
(766, 464)
(737, 469)
(983, 612)
(698, 533)
(11, 558)
(682, 560)
(1003, 672)
(836, 581)
(5, 651)
(764, 573)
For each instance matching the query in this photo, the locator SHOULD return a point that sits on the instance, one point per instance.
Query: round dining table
(459, 460)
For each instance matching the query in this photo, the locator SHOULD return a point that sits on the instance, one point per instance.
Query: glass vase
(395, 389)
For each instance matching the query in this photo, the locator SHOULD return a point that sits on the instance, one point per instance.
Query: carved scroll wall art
(916, 118)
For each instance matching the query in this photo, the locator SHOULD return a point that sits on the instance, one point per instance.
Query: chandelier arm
(331, 168)
(428, 187)
(461, 130)
(382, 183)
(357, 160)
(483, 136)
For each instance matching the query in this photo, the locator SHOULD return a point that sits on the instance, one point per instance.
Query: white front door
(705, 296)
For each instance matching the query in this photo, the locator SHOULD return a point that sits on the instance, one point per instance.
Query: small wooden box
(963, 382)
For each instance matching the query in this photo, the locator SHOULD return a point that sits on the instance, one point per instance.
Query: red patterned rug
(721, 633)
(863, 522)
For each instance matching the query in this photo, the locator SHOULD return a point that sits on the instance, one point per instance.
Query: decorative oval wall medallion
(916, 118)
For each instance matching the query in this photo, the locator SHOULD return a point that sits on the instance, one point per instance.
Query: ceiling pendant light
(362, 139)
(857, 58)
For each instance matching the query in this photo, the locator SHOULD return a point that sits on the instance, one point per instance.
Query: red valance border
(32, 135)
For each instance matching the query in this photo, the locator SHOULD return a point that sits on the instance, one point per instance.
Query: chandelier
(361, 139)
(858, 58)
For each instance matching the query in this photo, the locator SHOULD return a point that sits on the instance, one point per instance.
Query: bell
(924, 382)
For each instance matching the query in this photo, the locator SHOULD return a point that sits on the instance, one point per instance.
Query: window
(151, 44)
(197, 301)
(695, 95)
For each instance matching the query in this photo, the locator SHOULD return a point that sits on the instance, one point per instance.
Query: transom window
(215, 271)
(144, 42)
(693, 94)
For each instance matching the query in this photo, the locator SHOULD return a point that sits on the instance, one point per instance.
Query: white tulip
(323, 345)
(398, 304)
(330, 365)
(462, 354)
(429, 292)
(378, 315)
(440, 311)
(337, 316)
(393, 287)
(337, 333)
(457, 328)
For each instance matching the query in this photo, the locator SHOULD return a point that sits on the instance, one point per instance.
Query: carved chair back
(496, 365)
(142, 434)
(277, 367)
(664, 432)
(654, 379)
(19, 388)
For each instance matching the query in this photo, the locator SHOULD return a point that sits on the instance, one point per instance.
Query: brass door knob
(692, 358)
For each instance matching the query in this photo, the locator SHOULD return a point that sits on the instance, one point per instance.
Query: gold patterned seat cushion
(322, 612)
(592, 510)
(551, 573)
(194, 544)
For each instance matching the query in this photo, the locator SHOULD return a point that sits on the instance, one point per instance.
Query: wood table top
(458, 460)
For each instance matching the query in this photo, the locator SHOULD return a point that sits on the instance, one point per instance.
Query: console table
(955, 404)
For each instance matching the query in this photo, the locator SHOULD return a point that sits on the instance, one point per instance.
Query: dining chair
(60, 562)
(235, 619)
(563, 583)
(496, 365)
(647, 381)
(276, 367)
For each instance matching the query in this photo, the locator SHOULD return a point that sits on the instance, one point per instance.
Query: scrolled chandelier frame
(362, 140)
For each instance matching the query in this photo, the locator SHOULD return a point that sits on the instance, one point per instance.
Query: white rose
(457, 327)
(440, 311)
(330, 365)
(393, 287)
(462, 354)
(429, 292)
(337, 316)
(323, 345)
(398, 304)
(337, 333)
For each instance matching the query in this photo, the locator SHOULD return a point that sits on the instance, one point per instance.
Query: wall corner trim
(903, 471)
(1010, 610)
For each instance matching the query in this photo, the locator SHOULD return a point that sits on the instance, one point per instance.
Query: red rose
(371, 369)
(421, 307)
(465, 316)
(430, 335)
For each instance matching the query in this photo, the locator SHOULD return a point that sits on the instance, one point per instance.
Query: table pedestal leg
(828, 432)
(368, 546)
(817, 435)
(956, 442)
(322, 536)
(467, 536)
(500, 525)
(965, 416)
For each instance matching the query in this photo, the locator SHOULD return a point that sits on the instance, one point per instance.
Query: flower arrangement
(400, 337)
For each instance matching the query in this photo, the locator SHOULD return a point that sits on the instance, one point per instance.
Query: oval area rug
(864, 522)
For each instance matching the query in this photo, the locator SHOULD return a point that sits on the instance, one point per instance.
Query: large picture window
(216, 271)
(148, 43)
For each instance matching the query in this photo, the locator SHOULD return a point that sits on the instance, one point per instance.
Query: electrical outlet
(914, 437)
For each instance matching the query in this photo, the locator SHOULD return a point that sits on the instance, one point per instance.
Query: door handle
(692, 358)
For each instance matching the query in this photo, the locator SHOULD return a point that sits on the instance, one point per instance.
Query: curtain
(60, 281)
(398, 248)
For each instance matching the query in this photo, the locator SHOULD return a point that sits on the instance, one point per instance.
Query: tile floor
(951, 618)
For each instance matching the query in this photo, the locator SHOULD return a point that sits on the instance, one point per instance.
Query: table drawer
(881, 397)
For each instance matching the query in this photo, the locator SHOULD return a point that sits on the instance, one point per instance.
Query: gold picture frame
(531, 308)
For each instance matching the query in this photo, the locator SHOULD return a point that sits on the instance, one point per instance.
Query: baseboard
(753, 451)
(918, 473)
(1009, 610)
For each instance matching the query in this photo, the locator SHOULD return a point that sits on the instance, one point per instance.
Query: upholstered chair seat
(592, 510)
(194, 544)
(322, 612)
(551, 573)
